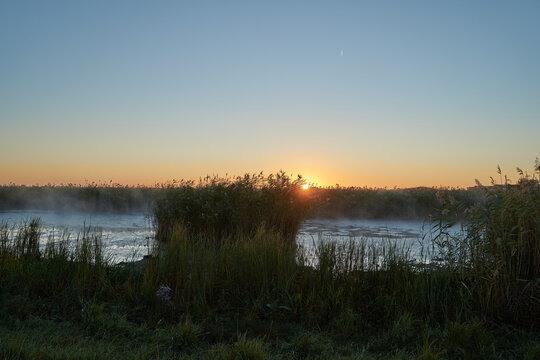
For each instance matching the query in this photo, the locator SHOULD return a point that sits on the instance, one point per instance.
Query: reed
(224, 285)
(499, 250)
(377, 203)
(222, 207)
(506, 237)
(368, 291)
(93, 197)
(329, 202)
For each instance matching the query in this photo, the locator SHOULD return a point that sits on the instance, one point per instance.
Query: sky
(356, 93)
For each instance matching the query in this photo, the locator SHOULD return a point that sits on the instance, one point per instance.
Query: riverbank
(228, 281)
(244, 298)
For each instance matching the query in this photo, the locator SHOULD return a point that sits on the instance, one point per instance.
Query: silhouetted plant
(222, 207)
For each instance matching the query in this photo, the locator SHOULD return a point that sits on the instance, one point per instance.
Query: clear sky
(367, 93)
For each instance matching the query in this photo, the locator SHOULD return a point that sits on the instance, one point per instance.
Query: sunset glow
(361, 94)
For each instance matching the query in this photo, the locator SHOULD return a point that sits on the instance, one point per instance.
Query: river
(128, 236)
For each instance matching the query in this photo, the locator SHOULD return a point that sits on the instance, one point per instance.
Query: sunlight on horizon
(356, 94)
(140, 174)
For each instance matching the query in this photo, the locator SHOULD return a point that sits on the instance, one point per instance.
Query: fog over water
(410, 235)
(127, 236)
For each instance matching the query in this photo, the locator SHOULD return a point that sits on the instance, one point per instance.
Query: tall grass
(222, 207)
(54, 274)
(507, 231)
(376, 203)
(236, 274)
(261, 275)
(223, 276)
(329, 202)
(500, 249)
(489, 271)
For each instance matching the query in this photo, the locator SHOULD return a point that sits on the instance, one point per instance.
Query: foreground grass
(252, 298)
(251, 293)
(42, 338)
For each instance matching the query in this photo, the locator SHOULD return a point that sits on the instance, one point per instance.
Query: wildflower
(164, 293)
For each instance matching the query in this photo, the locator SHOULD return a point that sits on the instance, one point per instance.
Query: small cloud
(341, 52)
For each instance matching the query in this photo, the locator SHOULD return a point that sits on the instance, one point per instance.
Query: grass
(254, 294)
(94, 197)
(374, 203)
(235, 196)
(220, 207)
(501, 249)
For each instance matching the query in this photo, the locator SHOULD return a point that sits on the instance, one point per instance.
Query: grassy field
(235, 285)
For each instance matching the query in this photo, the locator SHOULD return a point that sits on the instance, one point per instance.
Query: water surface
(127, 236)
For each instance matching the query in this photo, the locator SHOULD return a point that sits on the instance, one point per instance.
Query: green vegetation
(373, 203)
(227, 198)
(89, 198)
(254, 294)
(220, 207)
(501, 248)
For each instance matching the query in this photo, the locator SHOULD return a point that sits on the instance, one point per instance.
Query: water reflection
(128, 236)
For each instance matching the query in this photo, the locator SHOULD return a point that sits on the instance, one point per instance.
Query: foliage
(92, 197)
(499, 250)
(373, 203)
(216, 196)
(222, 207)
(255, 294)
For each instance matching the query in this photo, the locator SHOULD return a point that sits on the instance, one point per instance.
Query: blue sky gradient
(425, 93)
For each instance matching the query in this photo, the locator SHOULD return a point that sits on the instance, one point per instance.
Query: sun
(305, 186)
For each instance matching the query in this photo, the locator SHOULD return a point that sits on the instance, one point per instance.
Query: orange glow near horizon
(132, 107)
(144, 174)
(322, 170)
